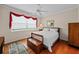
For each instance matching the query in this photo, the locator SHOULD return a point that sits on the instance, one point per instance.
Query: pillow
(55, 30)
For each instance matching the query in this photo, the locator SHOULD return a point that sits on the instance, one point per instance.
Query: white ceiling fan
(39, 11)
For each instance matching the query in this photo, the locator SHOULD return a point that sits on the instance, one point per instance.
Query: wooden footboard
(35, 42)
(37, 37)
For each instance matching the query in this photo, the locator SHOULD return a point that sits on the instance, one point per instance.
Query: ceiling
(50, 8)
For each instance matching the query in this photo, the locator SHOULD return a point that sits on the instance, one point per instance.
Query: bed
(47, 36)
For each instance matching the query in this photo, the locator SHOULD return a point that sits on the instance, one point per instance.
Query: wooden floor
(61, 47)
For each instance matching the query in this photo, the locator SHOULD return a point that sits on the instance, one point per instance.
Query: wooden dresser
(1, 44)
(74, 34)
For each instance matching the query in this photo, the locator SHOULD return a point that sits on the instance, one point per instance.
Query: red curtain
(18, 15)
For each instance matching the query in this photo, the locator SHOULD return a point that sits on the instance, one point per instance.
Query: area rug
(17, 48)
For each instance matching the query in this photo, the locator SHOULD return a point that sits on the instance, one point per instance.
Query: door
(74, 34)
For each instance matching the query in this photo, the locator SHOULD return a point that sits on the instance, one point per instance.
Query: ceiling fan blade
(41, 11)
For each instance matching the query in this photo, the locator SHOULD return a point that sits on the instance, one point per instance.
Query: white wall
(62, 19)
(4, 25)
(78, 13)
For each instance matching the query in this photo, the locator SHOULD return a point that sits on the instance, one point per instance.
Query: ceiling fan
(39, 11)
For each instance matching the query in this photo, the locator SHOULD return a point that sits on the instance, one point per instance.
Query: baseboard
(73, 46)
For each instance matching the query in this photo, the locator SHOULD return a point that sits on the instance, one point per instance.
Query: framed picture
(50, 23)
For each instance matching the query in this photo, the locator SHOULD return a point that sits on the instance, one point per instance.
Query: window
(19, 22)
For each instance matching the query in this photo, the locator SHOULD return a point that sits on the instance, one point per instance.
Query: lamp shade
(41, 25)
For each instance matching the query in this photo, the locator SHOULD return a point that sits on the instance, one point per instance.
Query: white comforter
(49, 37)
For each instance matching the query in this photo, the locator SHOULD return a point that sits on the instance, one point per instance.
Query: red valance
(30, 17)
(18, 15)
